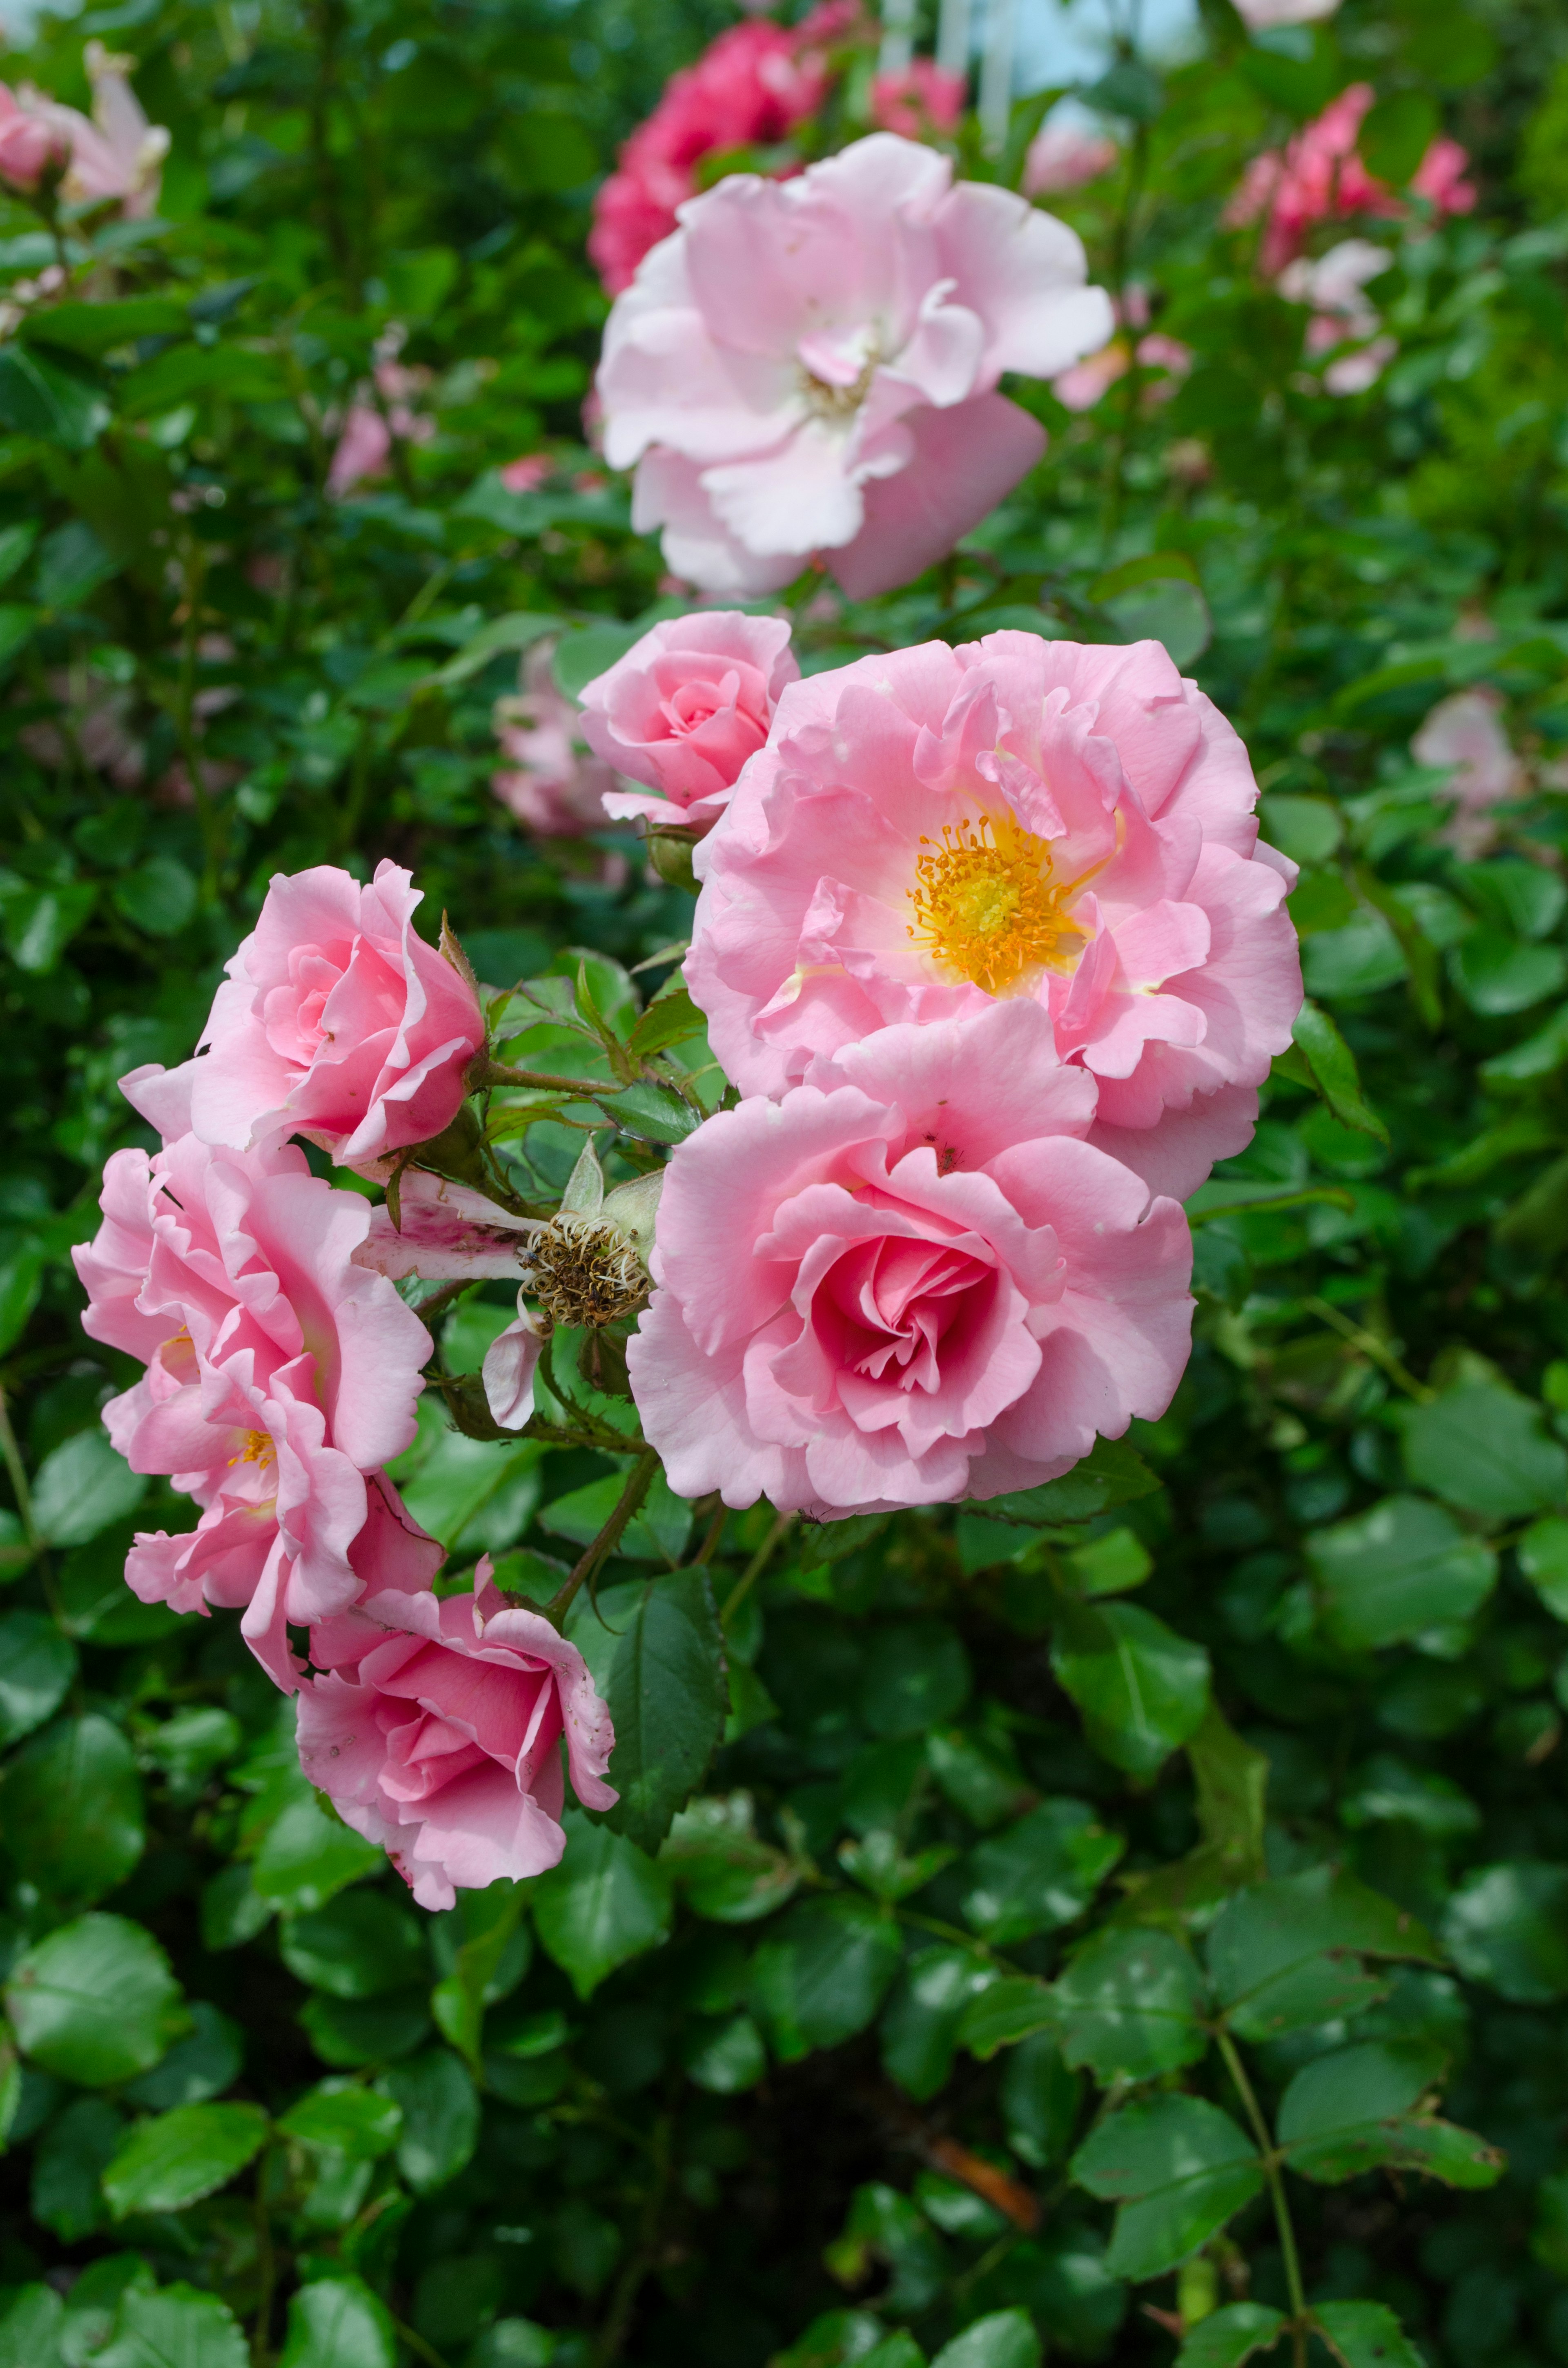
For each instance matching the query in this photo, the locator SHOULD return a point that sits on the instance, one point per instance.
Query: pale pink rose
(363, 449)
(810, 366)
(1335, 285)
(527, 475)
(1353, 373)
(1465, 734)
(28, 146)
(1319, 176)
(118, 154)
(335, 1021)
(921, 100)
(751, 88)
(444, 1231)
(685, 708)
(437, 1731)
(552, 782)
(1064, 157)
(365, 445)
(279, 1375)
(910, 1280)
(1016, 818)
(1164, 358)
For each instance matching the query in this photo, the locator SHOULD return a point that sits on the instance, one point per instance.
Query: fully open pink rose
(279, 1375)
(336, 1021)
(932, 830)
(436, 1730)
(909, 1281)
(782, 369)
(685, 708)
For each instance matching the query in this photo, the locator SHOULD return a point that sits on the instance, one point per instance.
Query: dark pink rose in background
(909, 1281)
(685, 708)
(920, 99)
(336, 1021)
(436, 1731)
(279, 1375)
(1319, 176)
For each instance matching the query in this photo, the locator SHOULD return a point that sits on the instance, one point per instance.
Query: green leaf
(727, 2059)
(920, 2027)
(1397, 1570)
(657, 1534)
(1486, 1449)
(1284, 1955)
(1543, 1559)
(159, 897)
(308, 1855)
(1141, 1688)
(198, 2067)
(605, 1904)
(82, 1487)
(175, 2327)
(30, 2322)
(1333, 1070)
(167, 2164)
(918, 1677)
(821, 1973)
(1230, 2337)
(340, 2117)
(724, 1872)
(668, 1701)
(492, 1957)
(71, 2158)
(1111, 1473)
(1360, 2109)
(97, 328)
(1366, 2335)
(40, 923)
(47, 399)
(1009, 2011)
(1508, 1925)
(583, 656)
(1396, 135)
(1179, 2168)
(440, 2117)
(361, 1945)
(671, 1018)
(96, 2001)
(338, 2322)
(1005, 2338)
(651, 1113)
(37, 1665)
(1128, 2007)
(1232, 1782)
(71, 1805)
(1498, 976)
(1039, 2100)
(1038, 1873)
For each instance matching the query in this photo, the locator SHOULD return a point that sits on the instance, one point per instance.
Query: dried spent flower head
(585, 1271)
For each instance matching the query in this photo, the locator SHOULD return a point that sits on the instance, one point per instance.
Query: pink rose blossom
(1465, 734)
(28, 146)
(1064, 157)
(810, 366)
(685, 708)
(752, 86)
(552, 782)
(921, 100)
(525, 474)
(335, 1021)
(436, 1731)
(444, 1231)
(279, 1375)
(1335, 285)
(1015, 818)
(1320, 176)
(365, 445)
(118, 155)
(911, 1280)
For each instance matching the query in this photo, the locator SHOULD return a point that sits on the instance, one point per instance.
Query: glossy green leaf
(343, 2118)
(29, 2323)
(1141, 1688)
(175, 2327)
(37, 1664)
(83, 1486)
(202, 2064)
(921, 2023)
(66, 2191)
(338, 2322)
(1368, 2107)
(1111, 1473)
(1366, 2335)
(1128, 2007)
(1486, 1449)
(667, 1697)
(1003, 2338)
(1287, 1954)
(1177, 2168)
(440, 2118)
(606, 1902)
(723, 1869)
(361, 1945)
(95, 2001)
(71, 1805)
(820, 1974)
(1334, 1074)
(1395, 1572)
(1009, 2010)
(173, 2161)
(1229, 2338)
(1038, 1873)
(308, 1855)
(45, 398)
(1508, 1925)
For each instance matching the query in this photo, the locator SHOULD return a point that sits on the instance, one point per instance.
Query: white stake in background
(898, 37)
(996, 71)
(952, 36)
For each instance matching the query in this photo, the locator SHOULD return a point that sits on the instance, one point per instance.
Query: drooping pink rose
(279, 1375)
(920, 99)
(810, 366)
(436, 1731)
(685, 708)
(752, 86)
(932, 830)
(118, 154)
(910, 1280)
(335, 1021)
(1064, 157)
(552, 782)
(1465, 734)
(445, 1232)
(1320, 175)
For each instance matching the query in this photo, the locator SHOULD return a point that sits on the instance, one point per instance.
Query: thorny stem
(638, 1482)
(1272, 2172)
(710, 1546)
(1370, 1346)
(753, 1569)
(497, 1072)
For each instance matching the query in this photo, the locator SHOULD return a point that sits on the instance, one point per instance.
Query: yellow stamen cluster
(986, 907)
(258, 1449)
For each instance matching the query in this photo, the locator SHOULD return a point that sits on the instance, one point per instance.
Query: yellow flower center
(258, 1449)
(986, 907)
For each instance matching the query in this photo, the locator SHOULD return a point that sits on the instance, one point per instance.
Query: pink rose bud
(685, 708)
(336, 1021)
(909, 1281)
(436, 1730)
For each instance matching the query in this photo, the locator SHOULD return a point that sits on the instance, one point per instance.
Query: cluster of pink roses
(282, 1375)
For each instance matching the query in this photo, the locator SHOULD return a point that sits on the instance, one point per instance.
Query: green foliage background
(1038, 1864)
